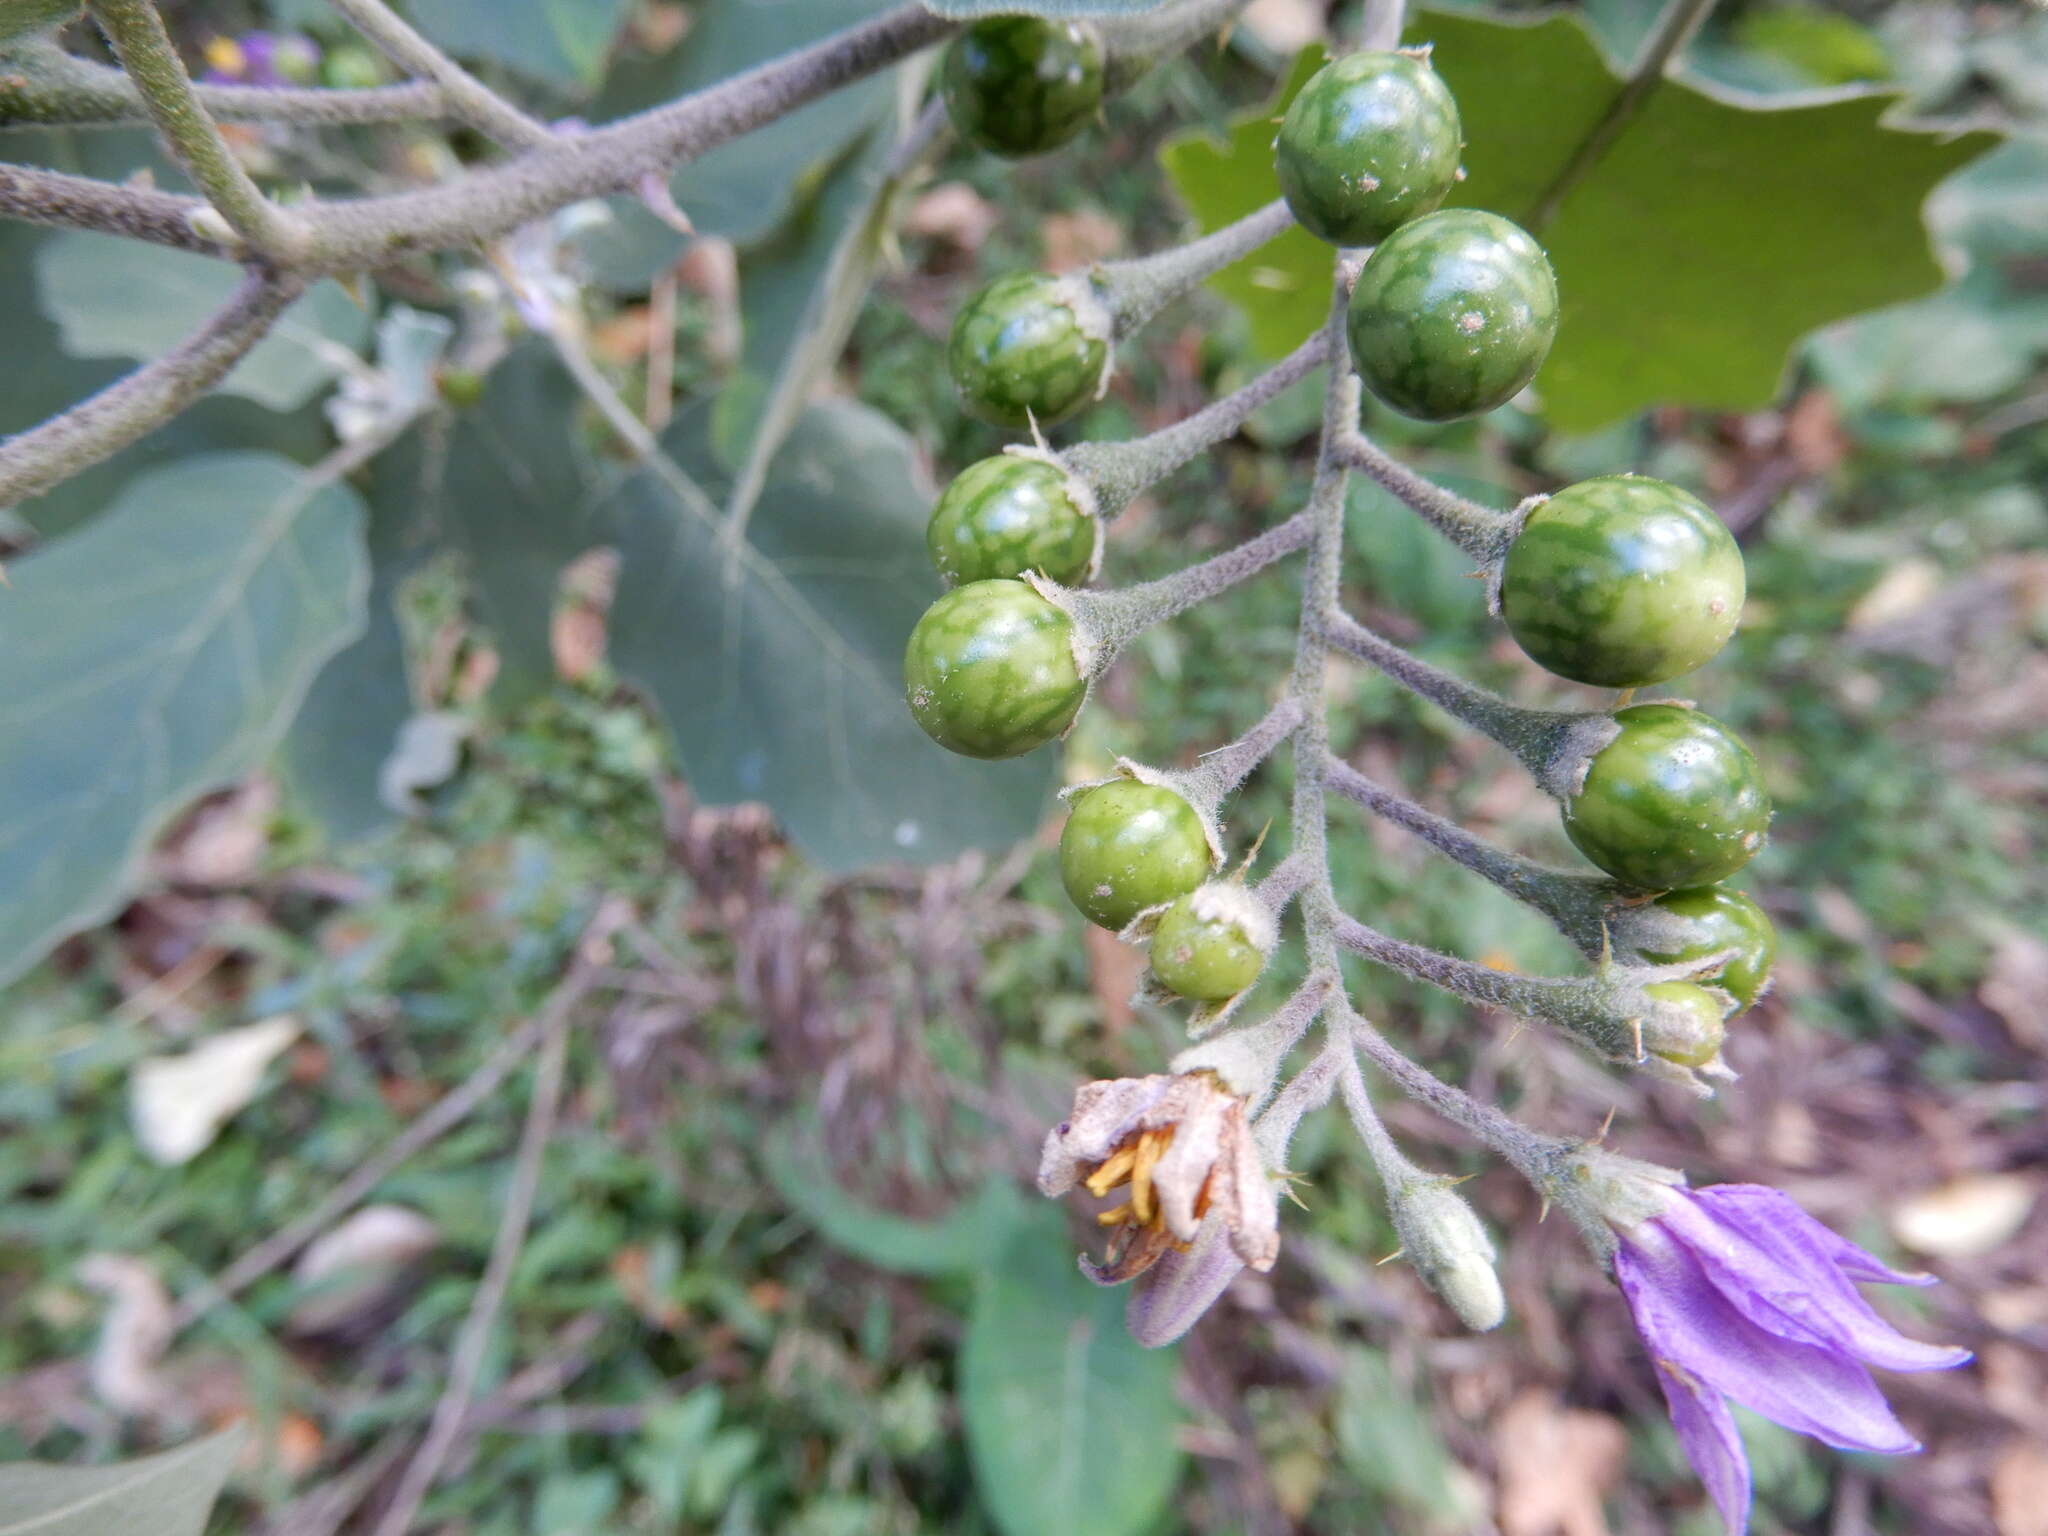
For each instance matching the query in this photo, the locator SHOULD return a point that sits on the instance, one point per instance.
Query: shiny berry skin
(1128, 846)
(1453, 314)
(1369, 143)
(1703, 1029)
(1029, 347)
(990, 670)
(1010, 514)
(1021, 85)
(1717, 918)
(1200, 952)
(1676, 800)
(1621, 582)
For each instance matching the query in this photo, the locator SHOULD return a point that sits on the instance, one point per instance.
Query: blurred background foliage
(784, 1276)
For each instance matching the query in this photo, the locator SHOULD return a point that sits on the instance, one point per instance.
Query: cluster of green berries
(1619, 582)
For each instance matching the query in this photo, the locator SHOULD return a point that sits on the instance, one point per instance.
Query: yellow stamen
(1115, 1214)
(1152, 1146)
(1112, 1170)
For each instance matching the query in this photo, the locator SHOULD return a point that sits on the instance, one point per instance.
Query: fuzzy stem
(43, 86)
(94, 429)
(1576, 903)
(1388, 1161)
(1535, 1155)
(1115, 472)
(1554, 745)
(1105, 622)
(1480, 532)
(62, 201)
(1309, 1090)
(146, 52)
(1137, 290)
(1229, 766)
(480, 106)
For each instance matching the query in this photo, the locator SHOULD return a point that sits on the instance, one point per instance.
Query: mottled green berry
(1715, 918)
(1453, 313)
(990, 670)
(1369, 143)
(1693, 1036)
(1010, 514)
(1021, 85)
(1030, 348)
(1676, 800)
(1621, 582)
(1212, 943)
(1128, 846)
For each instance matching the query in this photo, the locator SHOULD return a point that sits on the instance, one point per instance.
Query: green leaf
(1960, 346)
(157, 653)
(563, 43)
(1284, 286)
(1389, 1444)
(169, 1494)
(117, 298)
(1070, 1422)
(1694, 253)
(780, 674)
(506, 483)
(966, 10)
(746, 189)
(960, 1243)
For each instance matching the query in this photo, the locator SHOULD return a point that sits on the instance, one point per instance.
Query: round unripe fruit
(1621, 582)
(1702, 1032)
(1021, 85)
(1128, 846)
(351, 67)
(990, 670)
(1369, 143)
(1029, 347)
(1717, 918)
(1676, 800)
(1010, 514)
(1211, 944)
(1453, 314)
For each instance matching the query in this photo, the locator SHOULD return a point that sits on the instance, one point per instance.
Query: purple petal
(1706, 1429)
(1762, 1203)
(1172, 1295)
(1686, 1321)
(1768, 1258)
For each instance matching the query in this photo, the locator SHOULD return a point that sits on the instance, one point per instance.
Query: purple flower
(261, 58)
(1739, 1293)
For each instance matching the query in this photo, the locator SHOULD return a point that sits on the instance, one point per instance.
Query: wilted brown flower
(1181, 1147)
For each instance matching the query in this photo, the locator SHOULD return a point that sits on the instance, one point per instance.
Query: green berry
(1212, 944)
(990, 670)
(1622, 581)
(1029, 347)
(1698, 1040)
(1128, 846)
(1021, 85)
(1010, 514)
(351, 67)
(1369, 143)
(1453, 314)
(1717, 918)
(1676, 800)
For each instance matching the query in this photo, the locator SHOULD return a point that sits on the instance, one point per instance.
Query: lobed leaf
(112, 297)
(156, 653)
(968, 10)
(1712, 233)
(1071, 1423)
(169, 1494)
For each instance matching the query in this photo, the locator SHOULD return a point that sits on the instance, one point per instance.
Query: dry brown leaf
(1076, 239)
(1556, 1465)
(953, 212)
(2019, 1490)
(134, 1336)
(354, 1268)
(223, 841)
(1286, 26)
(1904, 589)
(1965, 1218)
(177, 1104)
(2015, 987)
(1113, 971)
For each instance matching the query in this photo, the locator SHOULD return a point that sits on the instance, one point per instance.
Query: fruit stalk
(1138, 289)
(1480, 532)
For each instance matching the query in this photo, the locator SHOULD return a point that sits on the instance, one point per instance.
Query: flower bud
(1450, 1250)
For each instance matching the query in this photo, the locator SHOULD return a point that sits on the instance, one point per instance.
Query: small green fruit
(1010, 514)
(1717, 918)
(1128, 846)
(1369, 143)
(1029, 348)
(1212, 943)
(1698, 1040)
(1021, 85)
(990, 670)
